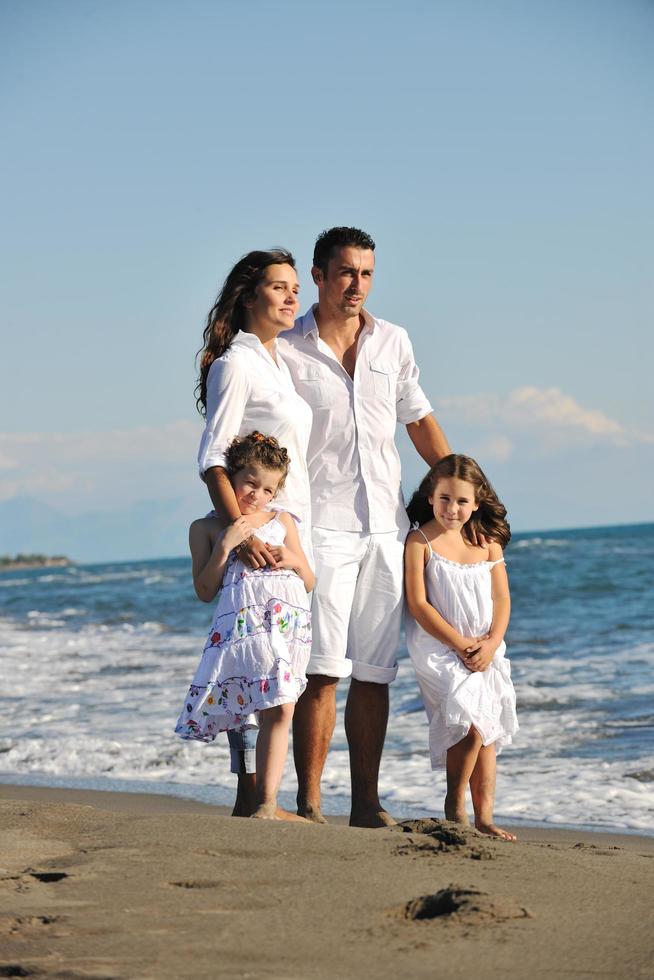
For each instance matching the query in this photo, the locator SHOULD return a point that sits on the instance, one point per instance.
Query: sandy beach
(118, 885)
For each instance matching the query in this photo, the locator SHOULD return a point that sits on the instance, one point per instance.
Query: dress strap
(420, 531)
(497, 562)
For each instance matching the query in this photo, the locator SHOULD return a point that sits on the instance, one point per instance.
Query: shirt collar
(309, 326)
(244, 339)
(308, 322)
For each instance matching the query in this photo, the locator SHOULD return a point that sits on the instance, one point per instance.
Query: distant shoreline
(33, 561)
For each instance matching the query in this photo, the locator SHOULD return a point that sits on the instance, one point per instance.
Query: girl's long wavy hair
(490, 517)
(227, 315)
(257, 448)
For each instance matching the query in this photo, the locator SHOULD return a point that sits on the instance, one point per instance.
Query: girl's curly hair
(257, 448)
(490, 517)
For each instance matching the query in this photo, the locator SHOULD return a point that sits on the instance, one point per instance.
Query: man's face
(346, 284)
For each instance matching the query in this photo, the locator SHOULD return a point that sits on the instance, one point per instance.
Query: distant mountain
(148, 529)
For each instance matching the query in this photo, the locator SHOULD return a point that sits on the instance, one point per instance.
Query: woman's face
(275, 303)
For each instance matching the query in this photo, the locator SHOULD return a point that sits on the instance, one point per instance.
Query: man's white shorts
(356, 610)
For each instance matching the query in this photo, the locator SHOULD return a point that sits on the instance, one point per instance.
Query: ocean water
(96, 659)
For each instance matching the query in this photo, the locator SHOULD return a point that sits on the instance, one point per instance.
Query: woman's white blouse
(247, 390)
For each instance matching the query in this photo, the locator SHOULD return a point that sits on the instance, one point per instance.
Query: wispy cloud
(540, 421)
(113, 468)
(99, 467)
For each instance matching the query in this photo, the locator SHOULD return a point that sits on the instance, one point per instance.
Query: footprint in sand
(48, 876)
(198, 883)
(469, 905)
(443, 835)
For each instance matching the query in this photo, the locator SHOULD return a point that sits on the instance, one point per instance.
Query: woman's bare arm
(209, 554)
(255, 554)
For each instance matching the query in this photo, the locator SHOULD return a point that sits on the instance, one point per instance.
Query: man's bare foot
(372, 819)
(494, 831)
(456, 812)
(311, 813)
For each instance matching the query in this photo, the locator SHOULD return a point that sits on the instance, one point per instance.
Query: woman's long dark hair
(490, 517)
(227, 315)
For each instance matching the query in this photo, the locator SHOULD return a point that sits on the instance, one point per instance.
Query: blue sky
(500, 153)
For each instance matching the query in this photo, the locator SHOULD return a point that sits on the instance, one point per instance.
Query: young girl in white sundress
(256, 654)
(457, 594)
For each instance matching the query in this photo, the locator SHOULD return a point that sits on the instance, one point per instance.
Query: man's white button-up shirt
(354, 465)
(247, 390)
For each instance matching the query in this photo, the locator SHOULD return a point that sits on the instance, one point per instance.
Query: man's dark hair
(327, 241)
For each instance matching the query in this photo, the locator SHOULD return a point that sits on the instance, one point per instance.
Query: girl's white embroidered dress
(257, 650)
(456, 698)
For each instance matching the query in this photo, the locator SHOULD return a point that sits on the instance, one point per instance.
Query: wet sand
(114, 885)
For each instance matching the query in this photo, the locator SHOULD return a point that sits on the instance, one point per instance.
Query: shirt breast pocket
(313, 386)
(384, 379)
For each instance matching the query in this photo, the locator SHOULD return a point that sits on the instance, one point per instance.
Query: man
(359, 376)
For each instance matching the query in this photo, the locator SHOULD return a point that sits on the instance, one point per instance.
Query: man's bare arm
(427, 436)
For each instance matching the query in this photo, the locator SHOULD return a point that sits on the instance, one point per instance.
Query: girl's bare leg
(482, 788)
(461, 759)
(272, 747)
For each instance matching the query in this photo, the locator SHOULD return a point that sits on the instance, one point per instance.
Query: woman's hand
(254, 553)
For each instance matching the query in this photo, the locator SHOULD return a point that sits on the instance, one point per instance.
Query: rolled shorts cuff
(373, 673)
(243, 750)
(329, 666)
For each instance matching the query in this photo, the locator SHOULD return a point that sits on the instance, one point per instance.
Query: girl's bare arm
(482, 656)
(209, 554)
(501, 595)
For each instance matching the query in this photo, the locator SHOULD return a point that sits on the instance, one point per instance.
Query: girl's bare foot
(270, 811)
(287, 815)
(494, 831)
(265, 811)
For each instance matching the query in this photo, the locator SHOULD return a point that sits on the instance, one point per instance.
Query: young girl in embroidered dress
(457, 594)
(256, 654)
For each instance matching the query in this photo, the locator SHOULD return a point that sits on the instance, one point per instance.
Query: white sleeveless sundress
(257, 650)
(456, 698)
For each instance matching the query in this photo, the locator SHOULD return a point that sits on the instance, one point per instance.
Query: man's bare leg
(313, 727)
(366, 718)
(482, 788)
(246, 795)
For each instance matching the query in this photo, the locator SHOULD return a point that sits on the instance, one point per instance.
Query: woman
(244, 386)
